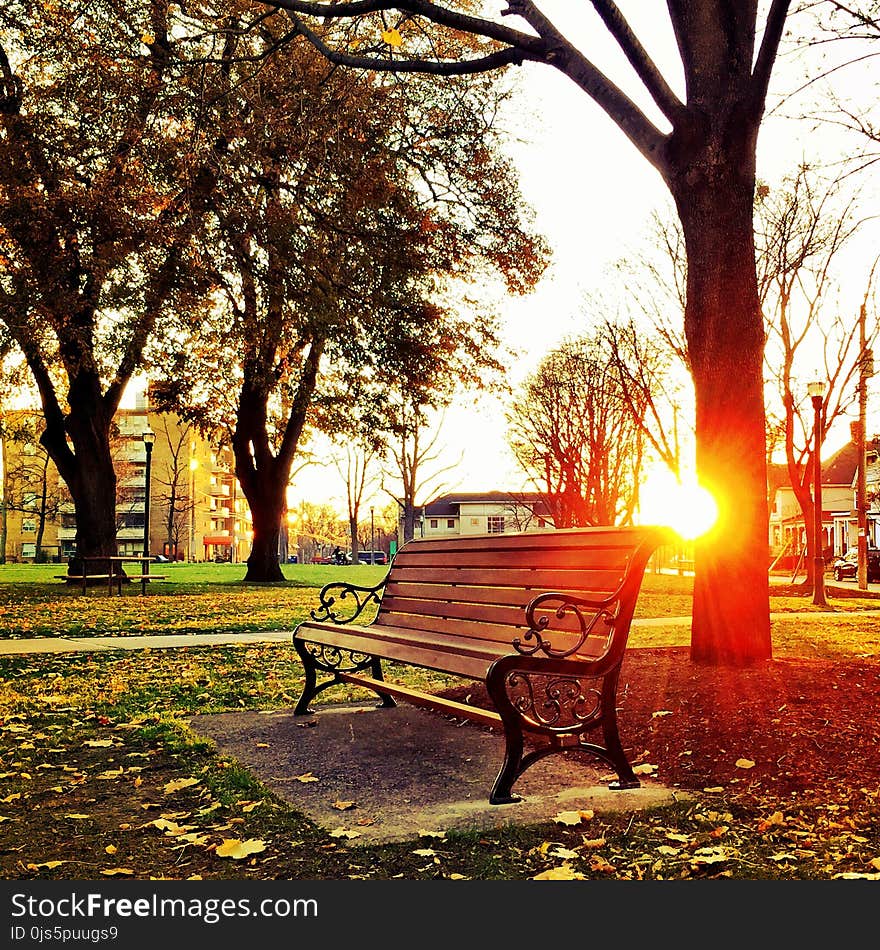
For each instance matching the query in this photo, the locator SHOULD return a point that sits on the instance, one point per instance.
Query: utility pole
(866, 369)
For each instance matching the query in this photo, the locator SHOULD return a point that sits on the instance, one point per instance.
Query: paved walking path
(156, 642)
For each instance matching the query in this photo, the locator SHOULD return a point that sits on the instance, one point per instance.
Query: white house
(493, 512)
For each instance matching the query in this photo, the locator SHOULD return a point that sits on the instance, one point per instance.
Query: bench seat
(540, 618)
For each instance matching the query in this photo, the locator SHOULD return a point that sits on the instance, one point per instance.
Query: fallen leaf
(341, 832)
(117, 872)
(714, 788)
(10, 798)
(342, 806)
(177, 784)
(777, 818)
(262, 745)
(307, 777)
(744, 764)
(424, 833)
(563, 853)
(76, 815)
(425, 852)
(645, 769)
(572, 817)
(236, 849)
(661, 712)
(855, 876)
(98, 743)
(563, 873)
(110, 849)
(49, 865)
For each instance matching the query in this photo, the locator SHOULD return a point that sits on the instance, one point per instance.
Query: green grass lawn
(200, 598)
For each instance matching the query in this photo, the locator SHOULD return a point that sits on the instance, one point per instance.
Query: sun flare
(686, 507)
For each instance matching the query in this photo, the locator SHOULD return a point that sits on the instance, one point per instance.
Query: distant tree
(414, 458)
(578, 437)
(802, 227)
(356, 465)
(30, 483)
(171, 477)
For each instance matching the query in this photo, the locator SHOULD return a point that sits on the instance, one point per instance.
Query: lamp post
(372, 538)
(817, 393)
(149, 438)
(193, 465)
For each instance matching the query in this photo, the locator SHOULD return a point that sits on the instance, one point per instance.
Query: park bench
(115, 579)
(541, 618)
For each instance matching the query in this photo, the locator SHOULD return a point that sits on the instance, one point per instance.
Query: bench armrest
(360, 597)
(543, 609)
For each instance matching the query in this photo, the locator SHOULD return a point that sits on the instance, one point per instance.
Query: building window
(433, 522)
(133, 519)
(29, 549)
(450, 522)
(496, 524)
(28, 526)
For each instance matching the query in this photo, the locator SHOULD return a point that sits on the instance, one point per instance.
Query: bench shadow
(406, 771)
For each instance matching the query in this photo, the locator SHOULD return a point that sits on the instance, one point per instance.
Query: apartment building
(196, 509)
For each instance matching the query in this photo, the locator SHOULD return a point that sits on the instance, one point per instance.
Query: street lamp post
(193, 465)
(149, 438)
(817, 392)
(372, 538)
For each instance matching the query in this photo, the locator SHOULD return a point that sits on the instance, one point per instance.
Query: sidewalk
(159, 642)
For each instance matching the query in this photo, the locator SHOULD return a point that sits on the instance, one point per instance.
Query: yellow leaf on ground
(661, 712)
(98, 743)
(573, 817)
(342, 806)
(177, 784)
(563, 873)
(307, 777)
(117, 872)
(10, 798)
(236, 849)
(77, 815)
(49, 865)
(744, 764)
(425, 833)
(341, 832)
(110, 849)
(392, 37)
(645, 769)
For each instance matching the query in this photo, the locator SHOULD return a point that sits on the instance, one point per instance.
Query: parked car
(848, 565)
(372, 557)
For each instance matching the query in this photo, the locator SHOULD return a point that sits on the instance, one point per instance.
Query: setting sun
(686, 507)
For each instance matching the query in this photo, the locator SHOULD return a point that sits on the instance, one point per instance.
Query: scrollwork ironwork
(337, 659)
(603, 612)
(332, 595)
(553, 702)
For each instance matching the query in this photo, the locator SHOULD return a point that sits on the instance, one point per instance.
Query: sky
(592, 195)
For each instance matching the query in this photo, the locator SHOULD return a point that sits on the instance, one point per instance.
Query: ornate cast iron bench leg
(388, 702)
(310, 670)
(333, 660)
(626, 778)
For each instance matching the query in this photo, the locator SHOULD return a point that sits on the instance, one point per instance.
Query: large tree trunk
(725, 333)
(267, 509)
(86, 465)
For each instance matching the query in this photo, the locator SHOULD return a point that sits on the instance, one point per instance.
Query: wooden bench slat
(537, 580)
(418, 698)
(570, 559)
(469, 660)
(601, 538)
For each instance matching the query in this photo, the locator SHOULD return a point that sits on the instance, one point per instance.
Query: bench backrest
(479, 586)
